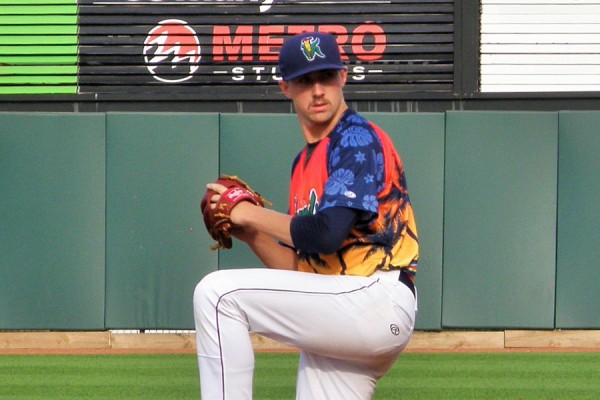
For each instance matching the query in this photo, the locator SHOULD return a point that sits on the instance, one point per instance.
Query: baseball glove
(218, 219)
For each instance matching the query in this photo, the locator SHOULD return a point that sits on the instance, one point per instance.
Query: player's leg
(323, 377)
(357, 319)
(222, 342)
(236, 355)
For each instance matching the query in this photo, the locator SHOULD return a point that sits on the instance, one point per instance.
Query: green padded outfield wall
(157, 248)
(500, 220)
(100, 226)
(52, 191)
(578, 261)
(419, 138)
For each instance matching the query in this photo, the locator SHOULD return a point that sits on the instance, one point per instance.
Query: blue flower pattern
(356, 136)
(339, 182)
(355, 166)
(360, 157)
(370, 203)
(335, 156)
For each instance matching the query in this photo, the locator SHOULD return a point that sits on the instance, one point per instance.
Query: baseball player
(341, 264)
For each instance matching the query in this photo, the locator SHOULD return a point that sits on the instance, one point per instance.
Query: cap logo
(310, 48)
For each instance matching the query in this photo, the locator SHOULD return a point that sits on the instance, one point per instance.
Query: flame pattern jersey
(356, 166)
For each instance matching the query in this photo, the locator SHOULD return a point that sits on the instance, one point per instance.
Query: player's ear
(284, 88)
(344, 75)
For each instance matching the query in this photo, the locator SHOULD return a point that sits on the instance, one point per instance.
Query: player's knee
(209, 290)
(204, 291)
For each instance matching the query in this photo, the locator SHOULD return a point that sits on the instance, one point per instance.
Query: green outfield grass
(415, 376)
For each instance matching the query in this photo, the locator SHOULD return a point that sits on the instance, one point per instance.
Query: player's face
(318, 98)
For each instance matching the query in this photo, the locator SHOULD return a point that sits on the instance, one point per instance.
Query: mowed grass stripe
(415, 376)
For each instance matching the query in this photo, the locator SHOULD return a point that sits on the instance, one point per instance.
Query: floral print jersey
(357, 166)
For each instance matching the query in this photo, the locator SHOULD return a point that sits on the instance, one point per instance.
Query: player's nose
(317, 89)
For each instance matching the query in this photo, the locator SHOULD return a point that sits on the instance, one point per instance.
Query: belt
(404, 278)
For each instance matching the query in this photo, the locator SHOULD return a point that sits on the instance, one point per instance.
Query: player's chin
(320, 115)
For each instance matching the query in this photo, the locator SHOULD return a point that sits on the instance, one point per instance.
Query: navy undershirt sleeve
(325, 231)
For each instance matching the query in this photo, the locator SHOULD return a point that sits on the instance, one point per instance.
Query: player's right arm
(271, 253)
(261, 229)
(264, 230)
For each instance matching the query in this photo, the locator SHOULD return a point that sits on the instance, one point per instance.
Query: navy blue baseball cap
(309, 52)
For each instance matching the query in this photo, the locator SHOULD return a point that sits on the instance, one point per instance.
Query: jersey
(357, 166)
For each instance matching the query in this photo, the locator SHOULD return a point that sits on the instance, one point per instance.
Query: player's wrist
(240, 212)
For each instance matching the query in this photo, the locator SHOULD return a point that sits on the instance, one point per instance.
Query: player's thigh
(338, 316)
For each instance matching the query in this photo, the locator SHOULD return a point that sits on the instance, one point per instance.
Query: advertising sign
(218, 49)
(229, 47)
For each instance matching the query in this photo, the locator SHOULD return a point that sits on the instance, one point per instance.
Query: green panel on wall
(419, 138)
(157, 247)
(52, 200)
(578, 250)
(260, 149)
(500, 220)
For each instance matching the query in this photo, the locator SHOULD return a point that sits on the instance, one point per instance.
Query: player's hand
(235, 213)
(224, 196)
(218, 189)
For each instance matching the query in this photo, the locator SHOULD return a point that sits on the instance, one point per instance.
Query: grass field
(415, 376)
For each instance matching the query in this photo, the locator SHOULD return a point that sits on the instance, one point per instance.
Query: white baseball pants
(350, 329)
